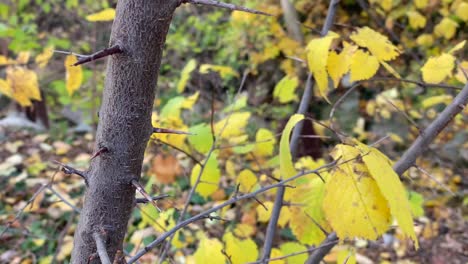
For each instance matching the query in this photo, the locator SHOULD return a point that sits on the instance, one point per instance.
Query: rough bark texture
(140, 28)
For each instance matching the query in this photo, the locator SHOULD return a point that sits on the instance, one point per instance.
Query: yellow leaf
(317, 56)
(390, 69)
(107, 14)
(436, 69)
(421, 3)
(380, 168)
(294, 247)
(233, 125)
(359, 209)
(265, 143)
(457, 47)
(461, 73)
(209, 249)
(435, 100)
(416, 20)
(363, 66)
(5, 88)
(244, 230)
(241, 251)
(224, 71)
(425, 40)
(338, 65)
(190, 101)
(65, 248)
(286, 166)
(23, 57)
(24, 85)
(74, 74)
(43, 58)
(209, 178)
(386, 4)
(263, 215)
(376, 43)
(185, 75)
(246, 180)
(347, 256)
(285, 88)
(446, 28)
(462, 11)
(275, 252)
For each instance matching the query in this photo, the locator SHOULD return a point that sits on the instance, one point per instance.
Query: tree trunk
(140, 29)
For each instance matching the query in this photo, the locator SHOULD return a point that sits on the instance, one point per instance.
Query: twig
(338, 103)
(100, 54)
(419, 83)
(304, 104)
(434, 179)
(75, 209)
(227, 203)
(62, 236)
(224, 5)
(169, 131)
(70, 53)
(70, 170)
(154, 198)
(181, 150)
(401, 111)
(140, 189)
(101, 248)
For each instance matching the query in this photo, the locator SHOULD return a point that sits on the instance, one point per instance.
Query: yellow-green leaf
(285, 89)
(240, 250)
(376, 43)
(209, 178)
(380, 168)
(421, 3)
(107, 14)
(436, 69)
(234, 125)
(202, 139)
(74, 74)
(265, 143)
(209, 249)
(246, 181)
(435, 100)
(462, 11)
(43, 58)
(286, 165)
(317, 56)
(416, 20)
(359, 209)
(446, 28)
(363, 66)
(294, 247)
(347, 256)
(185, 75)
(416, 201)
(457, 47)
(224, 71)
(338, 64)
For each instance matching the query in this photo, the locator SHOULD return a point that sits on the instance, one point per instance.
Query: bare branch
(224, 5)
(434, 179)
(169, 131)
(60, 196)
(181, 150)
(101, 248)
(98, 55)
(140, 189)
(154, 198)
(233, 200)
(70, 170)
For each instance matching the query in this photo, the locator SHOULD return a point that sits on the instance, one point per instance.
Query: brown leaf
(165, 168)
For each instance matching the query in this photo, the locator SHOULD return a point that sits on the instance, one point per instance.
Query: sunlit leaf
(74, 74)
(202, 139)
(376, 43)
(285, 89)
(416, 20)
(240, 250)
(294, 247)
(338, 64)
(416, 201)
(209, 249)
(435, 100)
(446, 28)
(462, 11)
(266, 142)
(457, 47)
(286, 164)
(185, 75)
(246, 180)
(421, 3)
(43, 58)
(209, 178)
(224, 71)
(107, 14)
(436, 69)
(363, 66)
(232, 125)
(317, 56)
(23, 85)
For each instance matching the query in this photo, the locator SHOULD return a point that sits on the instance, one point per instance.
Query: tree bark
(140, 28)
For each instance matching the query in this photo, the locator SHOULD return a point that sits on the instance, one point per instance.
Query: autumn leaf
(224, 71)
(377, 44)
(166, 168)
(264, 213)
(240, 250)
(74, 74)
(461, 70)
(107, 14)
(286, 166)
(23, 85)
(265, 143)
(185, 75)
(209, 248)
(435, 100)
(416, 20)
(363, 66)
(436, 69)
(43, 58)
(209, 178)
(202, 139)
(285, 89)
(317, 56)
(246, 180)
(338, 64)
(359, 209)
(446, 28)
(291, 248)
(232, 125)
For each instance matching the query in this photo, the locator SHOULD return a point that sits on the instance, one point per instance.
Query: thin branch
(181, 150)
(434, 179)
(70, 170)
(140, 189)
(154, 198)
(419, 83)
(338, 103)
(229, 202)
(101, 248)
(60, 196)
(70, 53)
(224, 5)
(98, 55)
(169, 131)
(408, 118)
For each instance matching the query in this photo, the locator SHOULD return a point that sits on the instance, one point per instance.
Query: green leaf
(285, 89)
